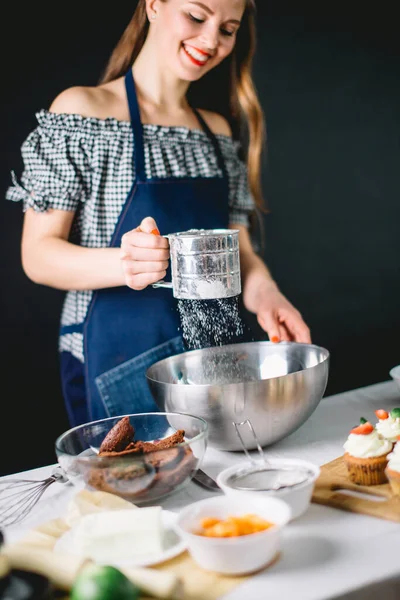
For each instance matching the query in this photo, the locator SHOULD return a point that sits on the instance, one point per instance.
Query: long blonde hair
(236, 99)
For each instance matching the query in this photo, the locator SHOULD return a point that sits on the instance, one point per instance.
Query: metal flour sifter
(205, 264)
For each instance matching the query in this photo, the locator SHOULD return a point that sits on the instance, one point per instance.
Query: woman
(151, 149)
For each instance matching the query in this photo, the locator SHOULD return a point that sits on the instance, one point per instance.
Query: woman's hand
(144, 255)
(278, 317)
(261, 296)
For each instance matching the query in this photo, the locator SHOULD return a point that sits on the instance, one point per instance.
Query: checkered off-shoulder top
(84, 164)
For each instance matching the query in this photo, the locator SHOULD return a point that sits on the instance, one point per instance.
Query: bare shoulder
(74, 100)
(86, 101)
(216, 122)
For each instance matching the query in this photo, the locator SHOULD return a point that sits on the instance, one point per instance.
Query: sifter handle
(163, 284)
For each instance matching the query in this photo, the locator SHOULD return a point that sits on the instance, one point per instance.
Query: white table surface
(326, 552)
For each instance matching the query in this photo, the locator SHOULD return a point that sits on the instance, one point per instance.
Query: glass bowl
(140, 476)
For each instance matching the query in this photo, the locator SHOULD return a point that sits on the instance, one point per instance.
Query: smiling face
(192, 37)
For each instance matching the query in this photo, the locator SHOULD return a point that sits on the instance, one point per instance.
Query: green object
(362, 421)
(395, 413)
(103, 582)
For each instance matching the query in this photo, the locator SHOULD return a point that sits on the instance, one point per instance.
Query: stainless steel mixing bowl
(274, 386)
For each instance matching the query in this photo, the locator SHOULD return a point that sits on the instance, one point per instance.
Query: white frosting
(394, 458)
(389, 428)
(367, 446)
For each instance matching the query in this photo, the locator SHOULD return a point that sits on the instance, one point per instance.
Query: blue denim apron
(126, 331)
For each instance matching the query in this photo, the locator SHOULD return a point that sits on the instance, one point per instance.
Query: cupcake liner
(367, 471)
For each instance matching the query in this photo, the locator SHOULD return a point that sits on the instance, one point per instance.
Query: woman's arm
(261, 296)
(48, 258)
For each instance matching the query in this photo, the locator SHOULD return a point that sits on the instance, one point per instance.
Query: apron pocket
(124, 389)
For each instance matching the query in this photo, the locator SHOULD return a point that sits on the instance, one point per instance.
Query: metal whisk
(19, 496)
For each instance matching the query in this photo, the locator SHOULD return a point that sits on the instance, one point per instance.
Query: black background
(330, 88)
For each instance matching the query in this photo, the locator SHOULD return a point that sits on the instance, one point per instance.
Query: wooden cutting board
(204, 585)
(198, 584)
(334, 478)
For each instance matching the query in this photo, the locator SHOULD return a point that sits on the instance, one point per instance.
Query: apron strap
(137, 127)
(214, 141)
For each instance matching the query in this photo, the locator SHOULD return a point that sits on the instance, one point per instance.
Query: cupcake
(393, 469)
(388, 425)
(366, 454)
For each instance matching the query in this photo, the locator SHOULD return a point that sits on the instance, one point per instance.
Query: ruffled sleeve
(241, 201)
(56, 165)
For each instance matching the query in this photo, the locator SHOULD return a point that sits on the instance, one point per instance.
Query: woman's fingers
(288, 328)
(139, 239)
(295, 325)
(142, 280)
(148, 225)
(270, 324)
(144, 255)
(134, 267)
(301, 333)
(146, 236)
(285, 335)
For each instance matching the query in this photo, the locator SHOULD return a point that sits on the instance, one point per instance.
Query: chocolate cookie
(118, 437)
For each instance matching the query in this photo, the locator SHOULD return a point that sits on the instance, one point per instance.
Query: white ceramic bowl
(235, 555)
(297, 497)
(395, 375)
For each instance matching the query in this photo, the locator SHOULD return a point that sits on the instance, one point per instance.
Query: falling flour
(207, 323)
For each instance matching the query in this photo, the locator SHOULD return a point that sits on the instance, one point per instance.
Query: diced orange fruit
(233, 526)
(209, 522)
(222, 529)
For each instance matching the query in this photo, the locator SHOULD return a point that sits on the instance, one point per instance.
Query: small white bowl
(395, 374)
(235, 555)
(297, 497)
